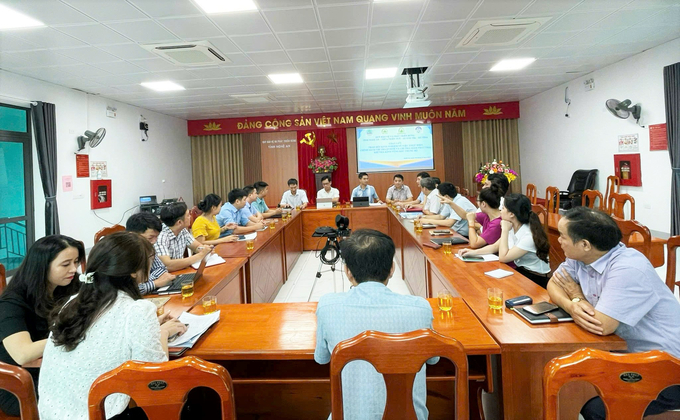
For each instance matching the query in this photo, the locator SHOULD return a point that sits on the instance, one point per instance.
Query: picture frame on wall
(627, 168)
(100, 194)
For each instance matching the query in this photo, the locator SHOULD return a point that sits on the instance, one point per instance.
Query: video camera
(330, 253)
(342, 231)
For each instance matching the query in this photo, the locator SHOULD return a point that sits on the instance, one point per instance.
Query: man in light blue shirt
(369, 305)
(365, 190)
(452, 213)
(249, 210)
(231, 212)
(611, 289)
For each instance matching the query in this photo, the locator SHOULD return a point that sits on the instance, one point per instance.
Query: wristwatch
(576, 299)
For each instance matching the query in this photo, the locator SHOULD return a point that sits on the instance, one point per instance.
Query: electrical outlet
(78, 196)
(589, 84)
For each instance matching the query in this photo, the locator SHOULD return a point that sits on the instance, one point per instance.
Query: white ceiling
(92, 45)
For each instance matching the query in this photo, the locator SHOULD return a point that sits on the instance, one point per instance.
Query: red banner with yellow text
(425, 115)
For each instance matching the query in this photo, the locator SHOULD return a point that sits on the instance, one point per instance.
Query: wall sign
(67, 183)
(629, 143)
(82, 166)
(658, 138)
(100, 193)
(426, 115)
(98, 169)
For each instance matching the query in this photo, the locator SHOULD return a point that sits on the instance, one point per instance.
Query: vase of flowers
(321, 164)
(494, 167)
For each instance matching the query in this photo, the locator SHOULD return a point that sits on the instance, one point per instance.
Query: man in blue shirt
(453, 212)
(611, 289)
(231, 212)
(249, 210)
(369, 305)
(365, 190)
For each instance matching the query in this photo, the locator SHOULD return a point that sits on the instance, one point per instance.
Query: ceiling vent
(437, 88)
(254, 98)
(501, 32)
(197, 53)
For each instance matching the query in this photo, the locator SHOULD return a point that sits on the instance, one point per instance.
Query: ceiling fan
(623, 109)
(94, 138)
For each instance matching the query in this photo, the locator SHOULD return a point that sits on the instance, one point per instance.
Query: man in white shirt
(327, 191)
(429, 188)
(398, 192)
(420, 201)
(453, 214)
(294, 197)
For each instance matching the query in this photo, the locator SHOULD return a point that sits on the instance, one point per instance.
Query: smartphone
(442, 232)
(540, 308)
(241, 237)
(472, 258)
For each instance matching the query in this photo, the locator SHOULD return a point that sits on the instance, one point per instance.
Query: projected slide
(394, 148)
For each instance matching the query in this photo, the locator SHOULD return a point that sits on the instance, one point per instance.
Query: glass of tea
(250, 244)
(444, 300)
(418, 226)
(209, 304)
(187, 288)
(495, 296)
(272, 226)
(297, 208)
(446, 246)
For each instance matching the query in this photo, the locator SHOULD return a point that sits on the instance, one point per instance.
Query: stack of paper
(411, 214)
(499, 274)
(196, 326)
(213, 259)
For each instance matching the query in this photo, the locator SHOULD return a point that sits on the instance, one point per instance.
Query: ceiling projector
(416, 89)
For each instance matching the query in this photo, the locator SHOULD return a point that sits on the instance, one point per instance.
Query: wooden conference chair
(542, 214)
(628, 227)
(618, 203)
(107, 231)
(625, 382)
(398, 357)
(19, 382)
(160, 389)
(194, 212)
(3, 278)
(588, 198)
(552, 199)
(531, 193)
(613, 185)
(672, 244)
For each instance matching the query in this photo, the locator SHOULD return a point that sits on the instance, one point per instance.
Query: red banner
(427, 115)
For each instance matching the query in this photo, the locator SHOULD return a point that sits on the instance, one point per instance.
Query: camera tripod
(332, 247)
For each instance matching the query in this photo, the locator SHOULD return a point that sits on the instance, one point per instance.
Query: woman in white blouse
(103, 326)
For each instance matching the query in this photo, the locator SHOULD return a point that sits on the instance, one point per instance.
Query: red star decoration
(333, 137)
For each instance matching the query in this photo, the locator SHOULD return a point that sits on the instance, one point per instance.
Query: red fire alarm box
(100, 193)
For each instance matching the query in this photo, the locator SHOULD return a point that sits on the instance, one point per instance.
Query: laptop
(324, 203)
(360, 202)
(176, 285)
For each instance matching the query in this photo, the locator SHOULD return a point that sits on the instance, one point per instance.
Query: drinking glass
(446, 246)
(250, 244)
(418, 226)
(272, 226)
(297, 208)
(187, 288)
(444, 300)
(209, 304)
(160, 309)
(495, 296)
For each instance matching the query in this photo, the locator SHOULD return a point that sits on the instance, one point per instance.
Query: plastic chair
(19, 382)
(613, 186)
(628, 227)
(542, 212)
(398, 357)
(107, 231)
(552, 199)
(625, 382)
(672, 244)
(531, 193)
(160, 389)
(618, 203)
(588, 199)
(581, 180)
(3, 278)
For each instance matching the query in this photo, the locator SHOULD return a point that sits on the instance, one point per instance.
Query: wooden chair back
(613, 185)
(588, 199)
(626, 382)
(618, 204)
(465, 192)
(3, 278)
(672, 244)
(160, 389)
(194, 213)
(552, 199)
(542, 214)
(107, 231)
(19, 382)
(398, 357)
(531, 193)
(628, 227)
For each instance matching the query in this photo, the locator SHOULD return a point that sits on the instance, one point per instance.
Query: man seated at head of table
(399, 192)
(369, 305)
(174, 238)
(149, 227)
(294, 197)
(453, 211)
(365, 190)
(262, 189)
(254, 215)
(232, 212)
(327, 191)
(609, 288)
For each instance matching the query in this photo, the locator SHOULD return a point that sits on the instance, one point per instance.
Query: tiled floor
(302, 287)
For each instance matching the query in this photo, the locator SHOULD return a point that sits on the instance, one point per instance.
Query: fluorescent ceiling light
(287, 78)
(512, 64)
(381, 73)
(163, 86)
(225, 6)
(10, 19)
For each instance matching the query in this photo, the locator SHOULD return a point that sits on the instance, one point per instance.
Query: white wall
(552, 146)
(135, 167)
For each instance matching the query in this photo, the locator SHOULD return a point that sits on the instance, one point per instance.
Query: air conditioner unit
(196, 53)
(501, 32)
(254, 98)
(437, 88)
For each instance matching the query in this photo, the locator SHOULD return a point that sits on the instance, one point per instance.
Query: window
(16, 186)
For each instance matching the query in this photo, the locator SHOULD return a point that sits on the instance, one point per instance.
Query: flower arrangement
(492, 168)
(323, 164)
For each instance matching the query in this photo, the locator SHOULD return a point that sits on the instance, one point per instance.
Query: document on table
(248, 236)
(487, 257)
(499, 273)
(375, 204)
(213, 259)
(196, 326)
(411, 214)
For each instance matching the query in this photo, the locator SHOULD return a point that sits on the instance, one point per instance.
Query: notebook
(455, 240)
(552, 317)
(499, 274)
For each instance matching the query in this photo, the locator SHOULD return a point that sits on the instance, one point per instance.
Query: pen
(172, 337)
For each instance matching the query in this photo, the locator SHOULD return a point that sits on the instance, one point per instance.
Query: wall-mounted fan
(92, 137)
(623, 110)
